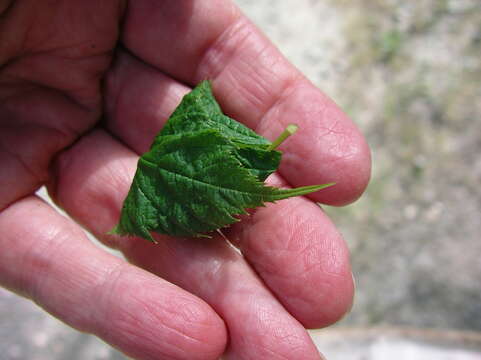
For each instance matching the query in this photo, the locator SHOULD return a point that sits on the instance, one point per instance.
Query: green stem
(290, 129)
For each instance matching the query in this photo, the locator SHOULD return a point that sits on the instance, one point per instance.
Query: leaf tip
(115, 230)
(204, 236)
(148, 236)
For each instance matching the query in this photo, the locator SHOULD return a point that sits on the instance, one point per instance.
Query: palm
(53, 99)
(50, 84)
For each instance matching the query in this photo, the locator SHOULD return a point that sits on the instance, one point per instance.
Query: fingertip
(155, 320)
(334, 308)
(332, 297)
(351, 171)
(328, 148)
(301, 257)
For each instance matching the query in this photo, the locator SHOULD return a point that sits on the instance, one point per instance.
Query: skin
(84, 87)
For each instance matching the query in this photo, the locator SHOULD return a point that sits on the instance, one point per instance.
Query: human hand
(61, 127)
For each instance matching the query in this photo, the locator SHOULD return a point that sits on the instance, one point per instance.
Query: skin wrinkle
(64, 126)
(12, 41)
(215, 51)
(218, 295)
(190, 314)
(292, 241)
(246, 246)
(225, 266)
(311, 255)
(57, 139)
(234, 270)
(37, 258)
(62, 22)
(29, 34)
(51, 132)
(112, 284)
(268, 268)
(284, 212)
(5, 7)
(210, 62)
(129, 322)
(273, 353)
(256, 97)
(197, 42)
(112, 82)
(301, 297)
(68, 305)
(118, 175)
(261, 126)
(342, 148)
(71, 95)
(71, 51)
(225, 292)
(131, 337)
(34, 49)
(270, 122)
(75, 94)
(290, 295)
(105, 291)
(155, 107)
(293, 298)
(212, 267)
(289, 274)
(266, 263)
(340, 151)
(21, 278)
(40, 256)
(36, 181)
(263, 316)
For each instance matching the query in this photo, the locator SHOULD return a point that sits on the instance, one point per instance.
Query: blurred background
(409, 75)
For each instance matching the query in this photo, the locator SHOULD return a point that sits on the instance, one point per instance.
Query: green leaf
(199, 111)
(203, 168)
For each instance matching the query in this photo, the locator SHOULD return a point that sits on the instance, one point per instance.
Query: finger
(92, 180)
(292, 244)
(300, 255)
(139, 99)
(50, 260)
(256, 85)
(34, 126)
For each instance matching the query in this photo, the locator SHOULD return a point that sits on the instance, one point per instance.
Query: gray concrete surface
(388, 343)
(408, 73)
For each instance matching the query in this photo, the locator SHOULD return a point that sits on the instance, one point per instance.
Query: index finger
(256, 85)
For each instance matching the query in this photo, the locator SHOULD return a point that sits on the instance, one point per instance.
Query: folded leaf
(203, 168)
